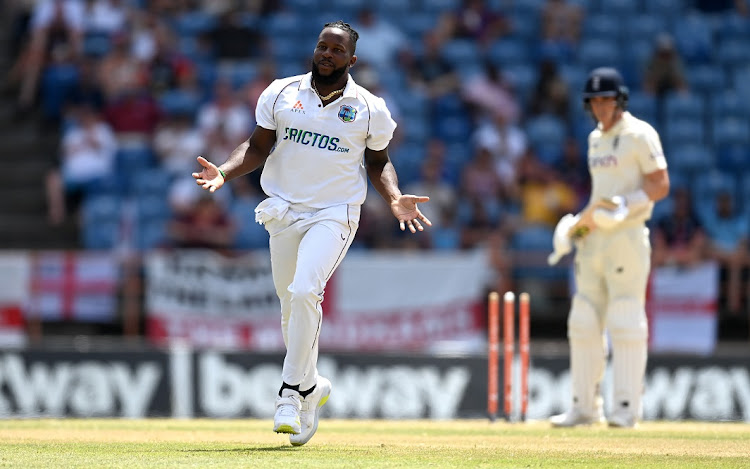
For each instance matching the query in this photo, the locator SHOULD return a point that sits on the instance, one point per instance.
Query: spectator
(728, 232)
(545, 198)
(53, 22)
(551, 91)
(133, 115)
(87, 160)
(177, 142)
(679, 237)
(253, 89)
(664, 71)
(573, 169)
(507, 143)
(105, 16)
(120, 72)
(380, 41)
(561, 23)
(167, 67)
(233, 40)
(480, 183)
(206, 225)
(443, 196)
(427, 71)
(475, 20)
(490, 95)
(224, 121)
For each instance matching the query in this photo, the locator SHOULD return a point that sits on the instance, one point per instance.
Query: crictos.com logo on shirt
(314, 139)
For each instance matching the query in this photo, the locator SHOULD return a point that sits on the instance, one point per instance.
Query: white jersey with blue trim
(318, 158)
(620, 157)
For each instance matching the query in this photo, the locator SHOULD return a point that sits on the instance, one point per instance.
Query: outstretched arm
(382, 174)
(247, 157)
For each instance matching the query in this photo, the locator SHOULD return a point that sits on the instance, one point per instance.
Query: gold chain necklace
(329, 95)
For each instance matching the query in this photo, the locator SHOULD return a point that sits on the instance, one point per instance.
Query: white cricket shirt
(620, 157)
(318, 160)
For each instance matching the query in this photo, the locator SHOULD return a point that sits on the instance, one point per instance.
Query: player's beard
(327, 80)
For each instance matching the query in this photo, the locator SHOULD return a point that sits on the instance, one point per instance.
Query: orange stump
(493, 353)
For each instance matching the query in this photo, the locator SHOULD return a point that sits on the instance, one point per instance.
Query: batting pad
(628, 329)
(588, 354)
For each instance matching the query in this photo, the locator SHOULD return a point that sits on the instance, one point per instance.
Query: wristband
(637, 200)
(223, 174)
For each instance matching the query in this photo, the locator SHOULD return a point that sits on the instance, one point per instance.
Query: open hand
(406, 211)
(209, 178)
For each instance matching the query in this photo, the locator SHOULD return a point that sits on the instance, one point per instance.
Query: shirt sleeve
(382, 126)
(264, 110)
(649, 151)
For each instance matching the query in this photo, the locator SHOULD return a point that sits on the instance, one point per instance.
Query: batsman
(613, 256)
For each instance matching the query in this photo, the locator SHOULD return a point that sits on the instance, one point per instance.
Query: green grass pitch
(166, 443)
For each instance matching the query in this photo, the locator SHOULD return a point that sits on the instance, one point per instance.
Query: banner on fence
(14, 292)
(75, 286)
(372, 302)
(682, 305)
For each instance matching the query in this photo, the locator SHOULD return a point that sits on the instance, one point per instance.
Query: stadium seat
(532, 245)
(546, 135)
(707, 185)
(439, 6)
(706, 79)
(525, 25)
(693, 38)
(598, 53)
(643, 106)
(734, 157)
(745, 192)
(731, 130)
(523, 78)
(194, 23)
(454, 128)
(733, 51)
(415, 25)
(683, 131)
(644, 27)
(665, 8)
(729, 104)
(156, 184)
(620, 9)
(152, 207)
(100, 221)
(96, 44)
(732, 26)
(602, 27)
(574, 75)
(461, 51)
(177, 101)
(690, 159)
(151, 234)
(682, 105)
(250, 234)
(505, 52)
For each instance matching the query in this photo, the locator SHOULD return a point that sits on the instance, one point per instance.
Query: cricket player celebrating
(320, 136)
(613, 255)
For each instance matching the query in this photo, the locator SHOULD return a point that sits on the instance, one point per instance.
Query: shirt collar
(350, 91)
(615, 128)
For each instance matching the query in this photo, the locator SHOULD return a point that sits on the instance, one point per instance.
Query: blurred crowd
(486, 95)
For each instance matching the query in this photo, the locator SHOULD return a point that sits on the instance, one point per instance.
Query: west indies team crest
(347, 113)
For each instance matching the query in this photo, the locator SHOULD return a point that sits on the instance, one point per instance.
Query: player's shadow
(251, 449)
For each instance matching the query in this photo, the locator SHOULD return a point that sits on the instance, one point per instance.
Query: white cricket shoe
(287, 418)
(622, 419)
(575, 417)
(310, 409)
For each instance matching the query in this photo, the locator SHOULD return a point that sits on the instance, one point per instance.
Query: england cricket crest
(347, 113)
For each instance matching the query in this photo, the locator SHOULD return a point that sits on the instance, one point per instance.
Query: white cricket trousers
(306, 247)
